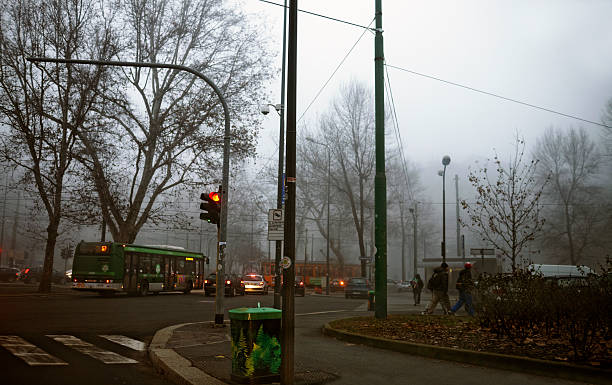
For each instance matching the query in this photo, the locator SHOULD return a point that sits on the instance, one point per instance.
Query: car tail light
(228, 282)
(74, 280)
(205, 281)
(341, 283)
(301, 283)
(261, 283)
(108, 281)
(242, 282)
(27, 271)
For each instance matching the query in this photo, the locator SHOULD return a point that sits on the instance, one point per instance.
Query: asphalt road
(83, 333)
(62, 333)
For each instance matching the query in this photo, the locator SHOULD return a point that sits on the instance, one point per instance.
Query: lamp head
(446, 160)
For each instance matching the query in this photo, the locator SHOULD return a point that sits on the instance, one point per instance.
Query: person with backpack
(417, 286)
(438, 283)
(464, 285)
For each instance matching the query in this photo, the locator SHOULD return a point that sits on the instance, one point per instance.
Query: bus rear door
(130, 276)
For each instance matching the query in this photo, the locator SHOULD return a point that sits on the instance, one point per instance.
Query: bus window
(145, 263)
(181, 266)
(156, 264)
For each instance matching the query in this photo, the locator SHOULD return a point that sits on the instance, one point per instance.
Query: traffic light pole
(226, 152)
(380, 180)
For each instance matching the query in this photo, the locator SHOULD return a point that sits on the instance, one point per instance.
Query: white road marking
(322, 312)
(91, 350)
(126, 341)
(31, 354)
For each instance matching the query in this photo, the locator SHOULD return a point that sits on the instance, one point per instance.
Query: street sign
(482, 251)
(276, 225)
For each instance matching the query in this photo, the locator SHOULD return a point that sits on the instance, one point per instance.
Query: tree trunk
(47, 274)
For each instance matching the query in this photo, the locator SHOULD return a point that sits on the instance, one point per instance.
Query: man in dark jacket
(417, 286)
(464, 285)
(439, 284)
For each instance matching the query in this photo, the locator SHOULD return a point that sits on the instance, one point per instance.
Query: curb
(491, 360)
(172, 365)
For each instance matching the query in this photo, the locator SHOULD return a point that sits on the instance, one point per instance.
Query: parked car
(404, 286)
(9, 274)
(357, 287)
(337, 285)
(255, 283)
(300, 286)
(34, 274)
(233, 285)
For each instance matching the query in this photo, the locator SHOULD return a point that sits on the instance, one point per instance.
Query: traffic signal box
(211, 206)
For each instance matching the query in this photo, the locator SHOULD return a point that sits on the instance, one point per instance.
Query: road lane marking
(126, 341)
(322, 312)
(91, 350)
(31, 354)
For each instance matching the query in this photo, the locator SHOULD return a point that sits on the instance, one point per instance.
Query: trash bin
(371, 300)
(256, 349)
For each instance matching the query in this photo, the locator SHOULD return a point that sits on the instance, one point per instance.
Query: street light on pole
(445, 162)
(328, 184)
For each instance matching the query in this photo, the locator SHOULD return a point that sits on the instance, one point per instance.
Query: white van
(560, 270)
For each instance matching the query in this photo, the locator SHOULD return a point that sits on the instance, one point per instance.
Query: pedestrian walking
(438, 283)
(465, 286)
(417, 286)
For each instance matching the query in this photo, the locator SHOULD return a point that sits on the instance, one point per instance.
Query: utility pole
(281, 184)
(416, 217)
(380, 180)
(288, 313)
(458, 218)
(306, 247)
(403, 241)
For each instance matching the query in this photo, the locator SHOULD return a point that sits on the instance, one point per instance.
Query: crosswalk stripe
(31, 354)
(91, 350)
(126, 341)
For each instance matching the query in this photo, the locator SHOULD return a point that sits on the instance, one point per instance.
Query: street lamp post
(445, 162)
(328, 188)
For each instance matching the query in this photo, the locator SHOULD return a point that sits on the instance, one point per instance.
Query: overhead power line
(319, 15)
(499, 96)
(334, 73)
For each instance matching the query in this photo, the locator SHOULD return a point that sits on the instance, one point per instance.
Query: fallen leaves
(467, 333)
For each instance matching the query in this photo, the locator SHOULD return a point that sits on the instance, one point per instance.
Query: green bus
(110, 267)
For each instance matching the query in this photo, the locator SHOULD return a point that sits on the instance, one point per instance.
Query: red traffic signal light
(211, 207)
(215, 196)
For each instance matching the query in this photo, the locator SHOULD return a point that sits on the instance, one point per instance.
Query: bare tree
(168, 132)
(347, 131)
(41, 107)
(571, 162)
(506, 211)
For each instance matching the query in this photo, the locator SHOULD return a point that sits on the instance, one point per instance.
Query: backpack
(433, 281)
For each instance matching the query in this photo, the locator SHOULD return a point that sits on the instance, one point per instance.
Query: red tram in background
(314, 272)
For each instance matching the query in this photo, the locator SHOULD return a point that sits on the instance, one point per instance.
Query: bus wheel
(144, 289)
(189, 288)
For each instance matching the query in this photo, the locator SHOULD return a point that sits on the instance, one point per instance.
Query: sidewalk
(199, 353)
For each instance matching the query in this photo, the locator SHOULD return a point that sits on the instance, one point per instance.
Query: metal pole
(403, 228)
(328, 202)
(444, 215)
(288, 313)
(380, 180)
(416, 216)
(226, 155)
(281, 149)
(458, 219)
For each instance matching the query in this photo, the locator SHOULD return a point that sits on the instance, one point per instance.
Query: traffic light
(211, 204)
